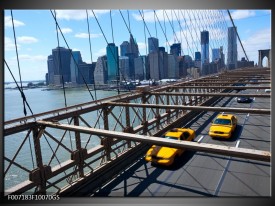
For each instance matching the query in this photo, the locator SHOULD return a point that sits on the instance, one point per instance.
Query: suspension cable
(72, 54)
(112, 26)
(129, 21)
(60, 63)
(91, 51)
(111, 51)
(19, 70)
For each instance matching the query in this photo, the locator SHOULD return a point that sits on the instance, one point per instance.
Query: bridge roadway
(202, 174)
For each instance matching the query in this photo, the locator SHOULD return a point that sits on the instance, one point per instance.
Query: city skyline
(33, 51)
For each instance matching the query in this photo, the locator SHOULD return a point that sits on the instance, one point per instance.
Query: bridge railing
(45, 159)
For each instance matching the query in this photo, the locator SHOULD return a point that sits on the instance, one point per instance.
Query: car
(168, 156)
(244, 100)
(267, 90)
(239, 85)
(223, 126)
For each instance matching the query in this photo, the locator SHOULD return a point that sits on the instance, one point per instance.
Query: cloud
(257, 41)
(86, 35)
(9, 44)
(99, 53)
(26, 40)
(77, 14)
(66, 30)
(35, 58)
(8, 22)
(141, 45)
(242, 14)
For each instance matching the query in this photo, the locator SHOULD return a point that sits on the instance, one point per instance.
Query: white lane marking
(200, 138)
(235, 98)
(237, 145)
(254, 99)
(222, 112)
(247, 115)
(257, 90)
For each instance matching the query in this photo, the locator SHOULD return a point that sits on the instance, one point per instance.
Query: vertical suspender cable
(91, 51)
(60, 63)
(21, 91)
(117, 62)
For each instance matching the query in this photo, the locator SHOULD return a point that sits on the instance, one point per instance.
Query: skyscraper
(61, 64)
(101, 71)
(50, 69)
(204, 47)
(175, 49)
(153, 44)
(124, 48)
(197, 56)
(75, 60)
(141, 68)
(232, 48)
(112, 61)
(158, 62)
(215, 54)
(173, 67)
(85, 69)
(133, 47)
(124, 68)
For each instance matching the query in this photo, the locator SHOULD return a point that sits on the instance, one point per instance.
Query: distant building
(215, 54)
(50, 70)
(204, 47)
(153, 44)
(131, 73)
(232, 48)
(158, 65)
(61, 64)
(124, 68)
(213, 68)
(194, 72)
(112, 61)
(197, 63)
(86, 70)
(124, 48)
(173, 67)
(205, 69)
(101, 71)
(197, 56)
(47, 78)
(182, 67)
(244, 63)
(133, 47)
(175, 49)
(141, 68)
(188, 61)
(75, 60)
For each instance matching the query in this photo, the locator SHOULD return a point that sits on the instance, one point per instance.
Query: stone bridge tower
(262, 54)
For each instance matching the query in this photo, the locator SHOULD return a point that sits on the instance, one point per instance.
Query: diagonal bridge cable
(17, 56)
(237, 33)
(72, 54)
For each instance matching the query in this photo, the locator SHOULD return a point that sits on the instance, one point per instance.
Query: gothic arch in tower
(262, 54)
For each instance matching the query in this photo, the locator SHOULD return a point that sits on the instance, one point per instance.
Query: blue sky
(36, 34)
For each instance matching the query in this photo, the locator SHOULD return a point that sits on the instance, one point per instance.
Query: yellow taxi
(165, 155)
(223, 126)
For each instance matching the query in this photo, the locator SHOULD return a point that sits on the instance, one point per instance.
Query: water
(41, 101)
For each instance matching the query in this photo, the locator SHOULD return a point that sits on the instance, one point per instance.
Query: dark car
(244, 100)
(239, 85)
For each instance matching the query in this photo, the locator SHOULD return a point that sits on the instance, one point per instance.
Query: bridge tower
(262, 54)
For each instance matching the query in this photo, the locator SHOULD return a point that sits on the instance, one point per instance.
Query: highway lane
(202, 174)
